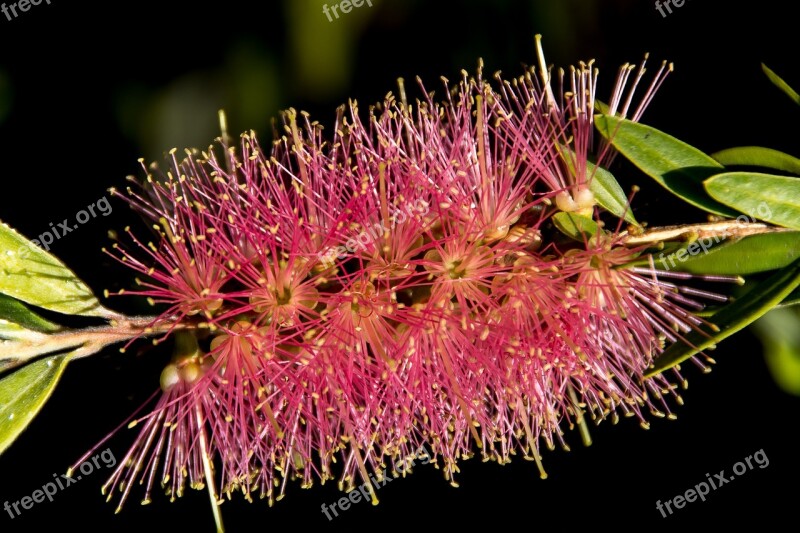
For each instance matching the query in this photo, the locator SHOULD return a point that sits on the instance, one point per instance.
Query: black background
(68, 66)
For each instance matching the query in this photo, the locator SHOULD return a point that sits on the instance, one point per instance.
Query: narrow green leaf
(791, 300)
(748, 255)
(608, 193)
(779, 331)
(24, 392)
(780, 84)
(13, 311)
(758, 156)
(32, 275)
(575, 226)
(774, 199)
(783, 361)
(12, 339)
(18, 323)
(675, 165)
(601, 107)
(732, 318)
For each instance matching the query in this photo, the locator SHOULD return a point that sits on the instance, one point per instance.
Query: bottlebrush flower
(173, 444)
(395, 286)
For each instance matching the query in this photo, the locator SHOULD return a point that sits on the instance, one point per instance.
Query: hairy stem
(81, 343)
(725, 229)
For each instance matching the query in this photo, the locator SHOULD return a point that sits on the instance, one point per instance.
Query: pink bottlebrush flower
(185, 269)
(173, 447)
(555, 126)
(397, 286)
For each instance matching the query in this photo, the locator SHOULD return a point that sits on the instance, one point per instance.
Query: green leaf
(24, 392)
(779, 331)
(13, 311)
(774, 199)
(675, 165)
(32, 275)
(780, 84)
(791, 300)
(783, 361)
(15, 342)
(608, 193)
(18, 323)
(601, 107)
(757, 156)
(575, 226)
(732, 318)
(748, 255)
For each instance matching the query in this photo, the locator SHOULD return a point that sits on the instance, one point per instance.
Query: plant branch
(725, 228)
(83, 342)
